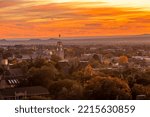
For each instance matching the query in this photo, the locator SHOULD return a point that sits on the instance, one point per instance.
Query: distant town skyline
(71, 18)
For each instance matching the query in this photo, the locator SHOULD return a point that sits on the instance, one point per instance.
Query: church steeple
(60, 49)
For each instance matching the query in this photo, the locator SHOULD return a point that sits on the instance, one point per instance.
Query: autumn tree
(123, 59)
(84, 74)
(66, 89)
(1, 70)
(88, 71)
(148, 92)
(39, 62)
(107, 88)
(138, 89)
(144, 78)
(94, 63)
(96, 57)
(106, 62)
(40, 76)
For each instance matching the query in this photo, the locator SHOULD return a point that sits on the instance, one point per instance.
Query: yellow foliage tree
(88, 70)
(123, 59)
(106, 62)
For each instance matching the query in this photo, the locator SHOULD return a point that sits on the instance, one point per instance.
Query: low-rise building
(23, 92)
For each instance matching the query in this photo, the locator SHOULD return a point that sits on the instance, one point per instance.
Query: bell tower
(60, 49)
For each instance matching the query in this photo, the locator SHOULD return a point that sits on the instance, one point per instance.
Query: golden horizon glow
(48, 18)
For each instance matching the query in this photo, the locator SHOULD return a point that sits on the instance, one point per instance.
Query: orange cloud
(48, 20)
(10, 3)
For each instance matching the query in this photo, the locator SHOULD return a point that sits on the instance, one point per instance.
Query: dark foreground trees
(85, 83)
(107, 88)
(66, 89)
(40, 76)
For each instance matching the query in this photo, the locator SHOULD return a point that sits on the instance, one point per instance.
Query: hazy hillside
(136, 39)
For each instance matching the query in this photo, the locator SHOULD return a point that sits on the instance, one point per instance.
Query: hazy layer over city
(107, 40)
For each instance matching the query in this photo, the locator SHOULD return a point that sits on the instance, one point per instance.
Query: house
(64, 66)
(11, 78)
(87, 57)
(83, 64)
(23, 92)
(147, 61)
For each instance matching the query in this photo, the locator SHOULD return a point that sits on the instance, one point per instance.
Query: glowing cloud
(38, 18)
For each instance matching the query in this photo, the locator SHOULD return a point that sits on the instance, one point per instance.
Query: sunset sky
(49, 18)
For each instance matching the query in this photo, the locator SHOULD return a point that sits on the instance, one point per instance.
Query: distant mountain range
(141, 39)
